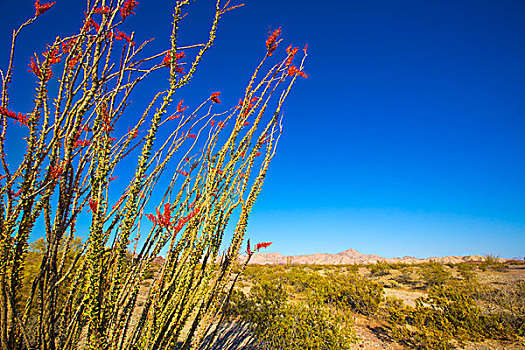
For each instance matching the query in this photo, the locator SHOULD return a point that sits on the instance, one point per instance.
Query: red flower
(34, 67)
(262, 245)
(56, 171)
(192, 136)
(74, 60)
(257, 247)
(21, 118)
(101, 10)
(183, 172)
(167, 61)
(181, 109)
(91, 23)
(246, 124)
(271, 42)
(182, 221)
(305, 47)
(93, 205)
(112, 178)
(291, 54)
(164, 219)
(250, 106)
(128, 8)
(42, 8)
(17, 193)
(82, 143)
(67, 45)
(52, 56)
(123, 36)
(152, 218)
(257, 154)
(293, 70)
(215, 97)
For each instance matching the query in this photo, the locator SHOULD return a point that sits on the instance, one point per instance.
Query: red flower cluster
(68, 45)
(293, 70)
(34, 67)
(249, 107)
(123, 36)
(271, 42)
(128, 8)
(164, 219)
(21, 118)
(93, 205)
(42, 8)
(167, 61)
(215, 97)
(183, 172)
(291, 54)
(53, 56)
(181, 109)
(75, 57)
(219, 124)
(191, 136)
(56, 171)
(91, 23)
(45, 76)
(101, 10)
(82, 143)
(257, 247)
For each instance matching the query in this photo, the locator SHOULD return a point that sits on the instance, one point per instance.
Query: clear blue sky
(408, 138)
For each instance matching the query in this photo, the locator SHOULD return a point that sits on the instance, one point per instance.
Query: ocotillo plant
(214, 164)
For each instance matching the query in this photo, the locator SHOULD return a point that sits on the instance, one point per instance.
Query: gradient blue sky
(408, 138)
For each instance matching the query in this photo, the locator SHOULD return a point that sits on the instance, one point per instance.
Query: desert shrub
(350, 291)
(433, 274)
(350, 268)
(399, 265)
(405, 276)
(508, 302)
(492, 262)
(449, 314)
(380, 268)
(466, 271)
(279, 324)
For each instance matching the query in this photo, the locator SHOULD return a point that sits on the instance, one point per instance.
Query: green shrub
(380, 268)
(492, 262)
(466, 271)
(279, 324)
(448, 314)
(350, 291)
(434, 274)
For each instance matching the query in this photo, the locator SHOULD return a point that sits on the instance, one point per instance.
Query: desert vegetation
(423, 306)
(93, 188)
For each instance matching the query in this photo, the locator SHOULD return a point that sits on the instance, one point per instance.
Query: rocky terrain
(348, 257)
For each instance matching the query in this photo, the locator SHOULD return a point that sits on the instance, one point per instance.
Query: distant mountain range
(348, 257)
